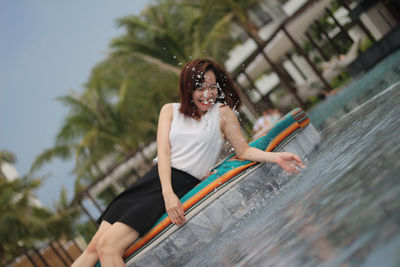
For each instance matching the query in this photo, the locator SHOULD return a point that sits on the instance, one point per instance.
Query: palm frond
(63, 152)
(133, 23)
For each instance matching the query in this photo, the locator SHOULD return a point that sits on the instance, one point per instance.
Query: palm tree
(119, 108)
(90, 131)
(116, 113)
(6, 157)
(18, 215)
(61, 225)
(170, 33)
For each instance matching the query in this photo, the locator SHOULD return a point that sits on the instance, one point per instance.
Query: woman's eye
(212, 88)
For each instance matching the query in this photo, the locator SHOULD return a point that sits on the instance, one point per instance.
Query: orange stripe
(285, 133)
(304, 123)
(213, 185)
(147, 237)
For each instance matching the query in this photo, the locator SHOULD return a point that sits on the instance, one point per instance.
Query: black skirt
(142, 203)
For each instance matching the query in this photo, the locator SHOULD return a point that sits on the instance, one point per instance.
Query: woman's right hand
(174, 208)
(288, 161)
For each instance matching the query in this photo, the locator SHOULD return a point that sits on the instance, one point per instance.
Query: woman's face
(205, 94)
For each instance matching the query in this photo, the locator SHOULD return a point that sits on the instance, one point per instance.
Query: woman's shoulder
(170, 106)
(168, 109)
(226, 114)
(225, 110)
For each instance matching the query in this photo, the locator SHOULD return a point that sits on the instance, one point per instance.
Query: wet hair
(192, 76)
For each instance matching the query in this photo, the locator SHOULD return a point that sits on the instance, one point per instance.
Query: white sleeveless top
(195, 145)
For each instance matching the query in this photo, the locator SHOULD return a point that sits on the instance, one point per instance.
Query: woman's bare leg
(89, 257)
(113, 243)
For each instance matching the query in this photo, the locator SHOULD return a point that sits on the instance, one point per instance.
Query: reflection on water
(343, 210)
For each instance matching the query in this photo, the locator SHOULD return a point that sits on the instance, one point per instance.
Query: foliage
(62, 222)
(118, 109)
(328, 25)
(340, 79)
(24, 223)
(365, 44)
(87, 230)
(5, 157)
(19, 217)
(172, 33)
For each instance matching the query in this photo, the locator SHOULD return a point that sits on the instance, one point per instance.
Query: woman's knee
(91, 248)
(106, 246)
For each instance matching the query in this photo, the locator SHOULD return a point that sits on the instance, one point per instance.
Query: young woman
(189, 139)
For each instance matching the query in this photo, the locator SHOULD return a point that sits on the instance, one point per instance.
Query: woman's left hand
(288, 161)
(174, 208)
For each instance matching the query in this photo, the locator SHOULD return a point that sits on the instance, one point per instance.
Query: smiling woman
(205, 95)
(202, 83)
(189, 138)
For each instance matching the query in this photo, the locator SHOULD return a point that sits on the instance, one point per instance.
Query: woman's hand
(288, 161)
(174, 208)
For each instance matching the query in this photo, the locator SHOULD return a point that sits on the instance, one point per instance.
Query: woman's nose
(208, 93)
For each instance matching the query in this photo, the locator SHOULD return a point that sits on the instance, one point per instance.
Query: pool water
(343, 210)
(357, 92)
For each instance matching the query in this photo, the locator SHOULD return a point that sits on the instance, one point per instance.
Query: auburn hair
(192, 75)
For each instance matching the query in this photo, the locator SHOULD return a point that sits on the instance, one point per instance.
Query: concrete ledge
(223, 208)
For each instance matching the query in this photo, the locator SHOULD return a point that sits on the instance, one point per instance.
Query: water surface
(343, 210)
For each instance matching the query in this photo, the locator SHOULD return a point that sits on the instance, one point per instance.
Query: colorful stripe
(230, 167)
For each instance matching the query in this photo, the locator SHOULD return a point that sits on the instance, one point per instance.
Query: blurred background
(81, 87)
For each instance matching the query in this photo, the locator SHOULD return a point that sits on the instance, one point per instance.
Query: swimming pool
(357, 92)
(344, 208)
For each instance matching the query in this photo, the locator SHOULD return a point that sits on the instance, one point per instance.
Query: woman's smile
(205, 95)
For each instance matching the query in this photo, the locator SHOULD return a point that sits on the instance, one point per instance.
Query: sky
(47, 49)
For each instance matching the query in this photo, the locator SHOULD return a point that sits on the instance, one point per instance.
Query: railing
(297, 43)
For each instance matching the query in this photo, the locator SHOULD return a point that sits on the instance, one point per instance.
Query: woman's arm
(173, 206)
(232, 132)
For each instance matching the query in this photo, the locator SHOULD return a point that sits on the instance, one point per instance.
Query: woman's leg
(89, 255)
(113, 243)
